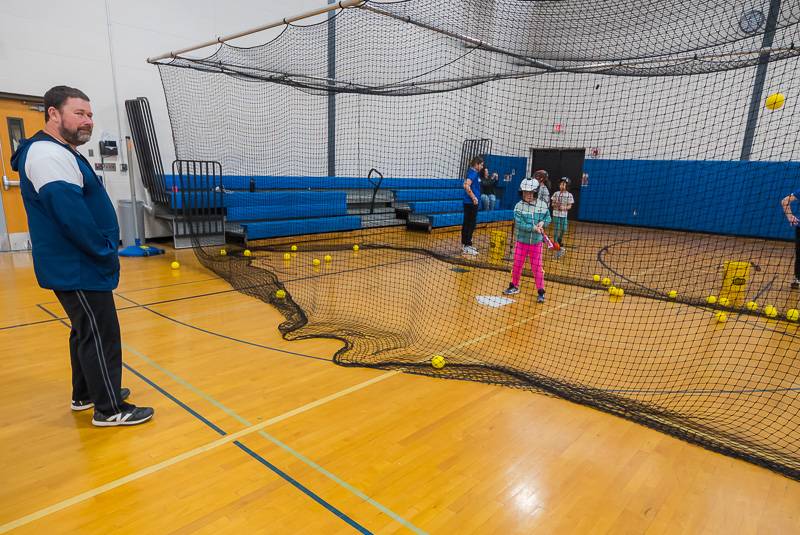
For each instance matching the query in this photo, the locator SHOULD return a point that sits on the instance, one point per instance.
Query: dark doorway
(561, 163)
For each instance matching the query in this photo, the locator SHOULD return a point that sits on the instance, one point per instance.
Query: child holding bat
(531, 215)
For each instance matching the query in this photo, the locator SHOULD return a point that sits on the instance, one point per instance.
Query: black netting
(675, 123)
(509, 40)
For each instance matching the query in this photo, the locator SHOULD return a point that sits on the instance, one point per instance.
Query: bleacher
(261, 207)
(450, 218)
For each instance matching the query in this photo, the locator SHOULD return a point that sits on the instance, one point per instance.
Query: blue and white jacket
(73, 226)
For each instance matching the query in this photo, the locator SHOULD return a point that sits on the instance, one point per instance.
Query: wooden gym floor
(256, 434)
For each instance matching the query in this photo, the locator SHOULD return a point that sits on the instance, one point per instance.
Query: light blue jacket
(527, 216)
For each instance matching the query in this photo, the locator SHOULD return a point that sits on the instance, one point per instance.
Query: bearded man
(74, 236)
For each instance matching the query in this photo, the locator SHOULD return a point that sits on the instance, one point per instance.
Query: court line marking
(253, 429)
(233, 414)
(237, 443)
(358, 527)
(152, 469)
(30, 323)
(310, 462)
(289, 479)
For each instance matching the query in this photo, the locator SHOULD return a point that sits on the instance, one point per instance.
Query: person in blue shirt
(74, 236)
(787, 211)
(472, 194)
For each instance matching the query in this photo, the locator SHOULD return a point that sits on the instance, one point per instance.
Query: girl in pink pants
(530, 217)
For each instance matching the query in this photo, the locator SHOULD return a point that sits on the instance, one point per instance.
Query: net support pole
(331, 94)
(343, 4)
(137, 239)
(761, 76)
(114, 84)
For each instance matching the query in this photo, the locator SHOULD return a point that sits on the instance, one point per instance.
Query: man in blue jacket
(74, 233)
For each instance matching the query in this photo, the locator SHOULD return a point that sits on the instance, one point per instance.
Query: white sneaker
(470, 250)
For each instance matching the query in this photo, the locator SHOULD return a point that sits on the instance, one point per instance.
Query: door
(20, 117)
(561, 163)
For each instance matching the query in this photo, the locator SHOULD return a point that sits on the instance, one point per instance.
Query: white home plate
(493, 301)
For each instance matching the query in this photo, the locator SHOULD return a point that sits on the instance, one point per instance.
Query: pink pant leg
(536, 265)
(520, 254)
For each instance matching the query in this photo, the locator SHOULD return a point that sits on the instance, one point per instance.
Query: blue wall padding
(724, 197)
